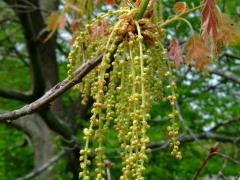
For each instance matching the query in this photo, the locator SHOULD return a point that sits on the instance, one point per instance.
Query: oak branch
(53, 93)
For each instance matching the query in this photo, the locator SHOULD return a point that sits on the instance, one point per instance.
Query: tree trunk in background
(41, 140)
(44, 68)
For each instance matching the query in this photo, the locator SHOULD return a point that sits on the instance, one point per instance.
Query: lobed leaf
(52, 24)
(197, 51)
(209, 19)
(54, 21)
(175, 52)
(228, 31)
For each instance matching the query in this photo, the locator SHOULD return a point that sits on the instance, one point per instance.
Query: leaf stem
(174, 18)
(142, 9)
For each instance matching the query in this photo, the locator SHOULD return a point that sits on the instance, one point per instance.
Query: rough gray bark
(41, 140)
(44, 73)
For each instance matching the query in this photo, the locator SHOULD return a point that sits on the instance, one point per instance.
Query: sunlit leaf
(228, 31)
(99, 29)
(180, 7)
(52, 24)
(197, 51)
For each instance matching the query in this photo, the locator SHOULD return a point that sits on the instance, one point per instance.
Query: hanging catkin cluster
(124, 86)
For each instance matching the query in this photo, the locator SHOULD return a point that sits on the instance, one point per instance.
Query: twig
(230, 56)
(108, 166)
(225, 122)
(226, 74)
(44, 167)
(186, 126)
(200, 136)
(228, 157)
(14, 94)
(212, 153)
(222, 175)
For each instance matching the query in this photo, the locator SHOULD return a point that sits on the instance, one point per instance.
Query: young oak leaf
(98, 29)
(180, 7)
(62, 21)
(197, 51)
(72, 7)
(54, 21)
(112, 2)
(137, 3)
(228, 31)
(52, 24)
(175, 52)
(209, 20)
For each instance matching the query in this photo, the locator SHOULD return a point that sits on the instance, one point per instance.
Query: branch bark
(225, 122)
(43, 168)
(39, 137)
(226, 74)
(200, 136)
(203, 164)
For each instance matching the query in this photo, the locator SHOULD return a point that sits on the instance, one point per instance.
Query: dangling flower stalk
(130, 65)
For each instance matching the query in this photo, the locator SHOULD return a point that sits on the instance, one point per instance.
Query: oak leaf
(137, 3)
(228, 31)
(112, 2)
(99, 28)
(180, 7)
(197, 51)
(209, 20)
(72, 7)
(175, 52)
(62, 21)
(54, 21)
(52, 24)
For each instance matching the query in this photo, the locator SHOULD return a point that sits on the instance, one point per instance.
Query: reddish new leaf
(54, 21)
(99, 29)
(112, 2)
(62, 21)
(209, 19)
(52, 24)
(197, 51)
(137, 3)
(180, 7)
(175, 52)
(75, 25)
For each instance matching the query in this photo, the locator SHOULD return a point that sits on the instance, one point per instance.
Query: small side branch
(225, 122)
(226, 74)
(200, 136)
(211, 154)
(44, 167)
(11, 94)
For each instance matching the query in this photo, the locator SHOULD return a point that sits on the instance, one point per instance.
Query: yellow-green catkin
(173, 129)
(124, 86)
